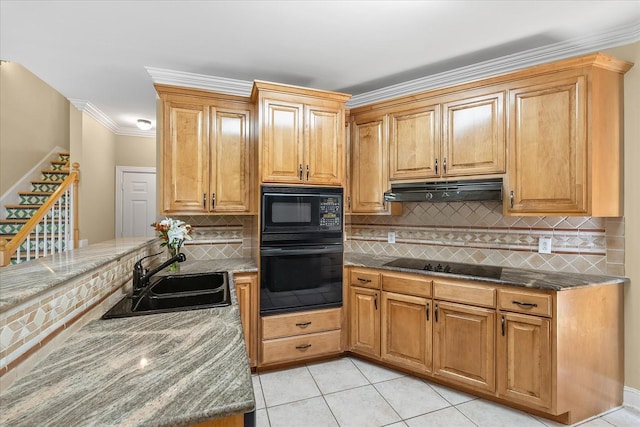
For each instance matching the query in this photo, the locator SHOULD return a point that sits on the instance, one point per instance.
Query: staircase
(43, 221)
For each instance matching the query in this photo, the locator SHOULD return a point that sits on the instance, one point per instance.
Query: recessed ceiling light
(143, 124)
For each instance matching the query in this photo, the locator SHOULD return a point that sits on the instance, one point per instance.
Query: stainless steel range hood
(446, 191)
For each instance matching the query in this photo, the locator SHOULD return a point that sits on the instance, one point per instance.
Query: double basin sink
(176, 293)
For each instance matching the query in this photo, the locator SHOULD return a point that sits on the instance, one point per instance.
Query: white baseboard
(631, 398)
(11, 195)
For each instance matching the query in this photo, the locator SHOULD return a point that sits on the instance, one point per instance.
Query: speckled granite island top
(535, 279)
(171, 369)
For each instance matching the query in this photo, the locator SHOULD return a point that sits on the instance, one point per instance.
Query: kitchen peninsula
(175, 369)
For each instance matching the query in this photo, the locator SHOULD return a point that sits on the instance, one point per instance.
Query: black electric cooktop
(486, 271)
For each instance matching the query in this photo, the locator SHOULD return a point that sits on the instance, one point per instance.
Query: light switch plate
(391, 237)
(544, 245)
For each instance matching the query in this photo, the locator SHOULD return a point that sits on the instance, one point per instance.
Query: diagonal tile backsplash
(478, 232)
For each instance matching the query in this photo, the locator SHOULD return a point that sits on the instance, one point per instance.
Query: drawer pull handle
(525, 304)
(375, 301)
(303, 324)
(360, 279)
(502, 324)
(427, 310)
(303, 346)
(436, 313)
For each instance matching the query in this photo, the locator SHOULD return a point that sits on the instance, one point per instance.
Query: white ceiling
(105, 55)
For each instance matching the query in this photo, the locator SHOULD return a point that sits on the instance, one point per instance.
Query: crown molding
(200, 81)
(104, 120)
(557, 51)
(134, 131)
(97, 114)
(494, 67)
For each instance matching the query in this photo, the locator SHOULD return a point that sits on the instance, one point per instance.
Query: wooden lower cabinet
(524, 359)
(406, 331)
(464, 344)
(555, 353)
(247, 294)
(364, 321)
(302, 335)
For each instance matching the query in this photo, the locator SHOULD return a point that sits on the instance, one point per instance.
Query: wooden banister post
(76, 203)
(4, 260)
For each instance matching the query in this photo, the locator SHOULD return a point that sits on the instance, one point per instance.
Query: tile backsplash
(218, 236)
(477, 232)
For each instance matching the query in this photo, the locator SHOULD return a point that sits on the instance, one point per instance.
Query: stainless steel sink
(176, 293)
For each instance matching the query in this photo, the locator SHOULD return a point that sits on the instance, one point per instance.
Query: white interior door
(136, 204)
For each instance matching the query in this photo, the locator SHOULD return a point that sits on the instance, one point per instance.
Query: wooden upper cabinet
(414, 145)
(206, 152)
(369, 167)
(325, 146)
(548, 147)
(459, 134)
(301, 134)
(282, 152)
(185, 176)
(473, 136)
(565, 141)
(230, 160)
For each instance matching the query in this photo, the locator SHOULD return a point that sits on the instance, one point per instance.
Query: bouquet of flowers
(173, 233)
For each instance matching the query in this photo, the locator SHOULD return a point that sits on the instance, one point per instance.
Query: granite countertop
(170, 369)
(534, 279)
(22, 282)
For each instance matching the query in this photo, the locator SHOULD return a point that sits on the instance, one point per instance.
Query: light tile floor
(349, 392)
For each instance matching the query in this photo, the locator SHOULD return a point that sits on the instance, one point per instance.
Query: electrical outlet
(391, 237)
(544, 245)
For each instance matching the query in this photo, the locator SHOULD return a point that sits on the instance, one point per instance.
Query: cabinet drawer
(300, 347)
(306, 322)
(525, 302)
(468, 293)
(365, 278)
(412, 284)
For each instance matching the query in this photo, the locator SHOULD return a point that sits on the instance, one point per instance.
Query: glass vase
(173, 251)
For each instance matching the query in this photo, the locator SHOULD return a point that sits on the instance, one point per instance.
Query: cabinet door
(464, 344)
(247, 294)
(185, 175)
(473, 136)
(547, 148)
(414, 144)
(406, 331)
(524, 359)
(282, 144)
(364, 315)
(369, 164)
(324, 146)
(230, 160)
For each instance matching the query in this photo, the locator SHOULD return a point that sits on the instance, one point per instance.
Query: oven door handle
(306, 250)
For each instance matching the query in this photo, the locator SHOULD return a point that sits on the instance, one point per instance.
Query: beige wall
(135, 151)
(631, 211)
(33, 120)
(97, 181)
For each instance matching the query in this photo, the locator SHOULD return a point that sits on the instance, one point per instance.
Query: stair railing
(59, 214)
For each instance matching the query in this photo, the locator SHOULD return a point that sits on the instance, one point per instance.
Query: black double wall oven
(301, 249)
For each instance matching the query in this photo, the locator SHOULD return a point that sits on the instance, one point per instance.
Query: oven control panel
(330, 211)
